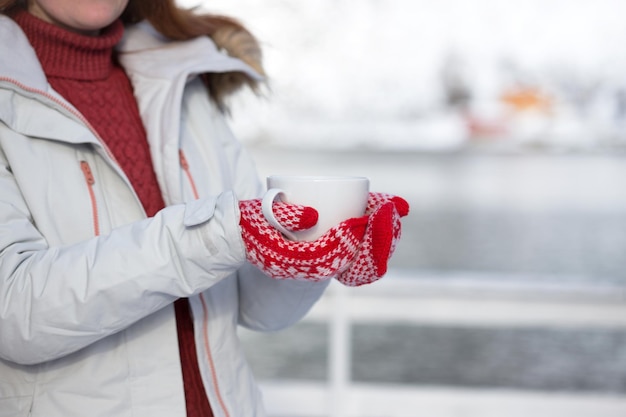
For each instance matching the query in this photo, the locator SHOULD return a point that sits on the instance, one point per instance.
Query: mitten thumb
(295, 217)
(292, 216)
(382, 238)
(402, 206)
(379, 242)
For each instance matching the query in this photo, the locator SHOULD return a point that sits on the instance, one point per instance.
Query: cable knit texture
(84, 71)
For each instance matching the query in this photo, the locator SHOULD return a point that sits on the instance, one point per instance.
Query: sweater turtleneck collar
(70, 55)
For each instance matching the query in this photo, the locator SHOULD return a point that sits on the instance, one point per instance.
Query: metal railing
(461, 301)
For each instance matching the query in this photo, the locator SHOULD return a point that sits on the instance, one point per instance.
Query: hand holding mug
(355, 250)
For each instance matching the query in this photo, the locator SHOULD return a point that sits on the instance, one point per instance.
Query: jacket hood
(145, 48)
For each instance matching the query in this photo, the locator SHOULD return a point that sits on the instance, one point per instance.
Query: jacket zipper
(205, 311)
(185, 166)
(209, 356)
(90, 181)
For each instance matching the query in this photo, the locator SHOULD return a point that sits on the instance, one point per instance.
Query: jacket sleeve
(267, 304)
(57, 300)
(264, 303)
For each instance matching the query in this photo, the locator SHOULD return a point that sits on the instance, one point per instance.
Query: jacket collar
(144, 53)
(144, 50)
(28, 104)
(19, 61)
(159, 70)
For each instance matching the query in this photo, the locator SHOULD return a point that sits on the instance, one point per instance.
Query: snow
(376, 73)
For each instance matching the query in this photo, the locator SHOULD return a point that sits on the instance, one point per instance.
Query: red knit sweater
(84, 71)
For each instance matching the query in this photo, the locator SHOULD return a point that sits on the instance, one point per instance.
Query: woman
(126, 210)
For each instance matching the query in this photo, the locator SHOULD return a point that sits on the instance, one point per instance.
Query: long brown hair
(178, 23)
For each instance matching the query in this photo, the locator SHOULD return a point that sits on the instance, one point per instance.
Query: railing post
(339, 351)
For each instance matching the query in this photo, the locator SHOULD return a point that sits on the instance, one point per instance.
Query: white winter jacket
(87, 282)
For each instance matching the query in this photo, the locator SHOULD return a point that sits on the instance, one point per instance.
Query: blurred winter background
(504, 125)
(417, 74)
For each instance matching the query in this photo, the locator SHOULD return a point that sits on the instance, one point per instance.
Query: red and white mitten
(280, 258)
(382, 233)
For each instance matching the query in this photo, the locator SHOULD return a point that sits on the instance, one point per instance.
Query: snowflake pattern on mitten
(356, 251)
(280, 258)
(383, 232)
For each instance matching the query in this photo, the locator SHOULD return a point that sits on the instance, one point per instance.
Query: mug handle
(268, 213)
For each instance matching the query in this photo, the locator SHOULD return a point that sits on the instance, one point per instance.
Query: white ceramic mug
(336, 198)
